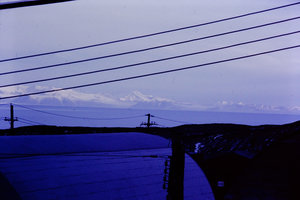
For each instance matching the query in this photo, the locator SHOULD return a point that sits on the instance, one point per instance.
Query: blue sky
(270, 82)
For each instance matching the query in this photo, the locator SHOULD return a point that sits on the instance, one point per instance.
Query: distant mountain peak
(137, 96)
(139, 100)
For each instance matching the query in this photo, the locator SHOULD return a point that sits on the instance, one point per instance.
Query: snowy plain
(94, 166)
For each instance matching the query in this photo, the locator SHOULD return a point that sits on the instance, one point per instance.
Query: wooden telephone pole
(149, 123)
(12, 119)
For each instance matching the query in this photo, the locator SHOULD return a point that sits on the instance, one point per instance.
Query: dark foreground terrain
(240, 161)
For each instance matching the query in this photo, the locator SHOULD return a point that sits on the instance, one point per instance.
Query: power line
(24, 122)
(26, 3)
(30, 121)
(181, 122)
(151, 61)
(152, 34)
(160, 125)
(149, 48)
(150, 74)
(75, 117)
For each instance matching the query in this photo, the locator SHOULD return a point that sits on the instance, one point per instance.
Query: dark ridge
(185, 130)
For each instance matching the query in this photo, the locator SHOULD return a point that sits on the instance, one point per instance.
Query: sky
(267, 83)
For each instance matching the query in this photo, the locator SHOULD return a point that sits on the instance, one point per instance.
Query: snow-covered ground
(94, 166)
(84, 143)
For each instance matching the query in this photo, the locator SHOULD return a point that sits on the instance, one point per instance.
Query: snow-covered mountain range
(135, 99)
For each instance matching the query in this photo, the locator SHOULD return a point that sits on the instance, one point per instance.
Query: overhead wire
(24, 122)
(149, 48)
(76, 117)
(171, 120)
(30, 121)
(25, 3)
(151, 61)
(152, 34)
(151, 74)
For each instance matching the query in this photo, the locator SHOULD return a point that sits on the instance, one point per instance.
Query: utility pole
(12, 119)
(176, 174)
(149, 123)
